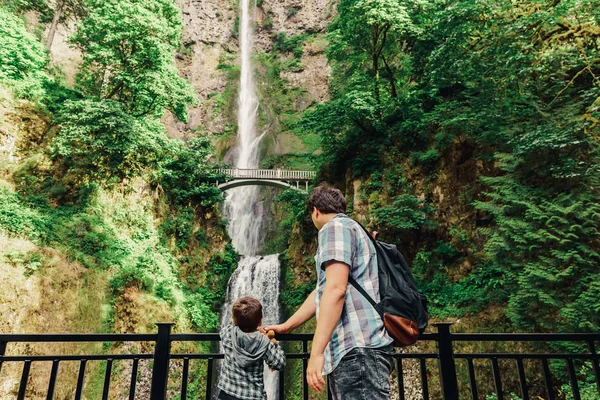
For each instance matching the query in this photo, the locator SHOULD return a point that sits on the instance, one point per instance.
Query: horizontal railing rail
(447, 359)
(274, 174)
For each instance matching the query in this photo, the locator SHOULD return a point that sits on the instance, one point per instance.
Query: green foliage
(406, 213)
(267, 23)
(100, 141)
(487, 96)
(587, 386)
(203, 302)
(22, 57)
(22, 6)
(17, 218)
(292, 203)
(236, 27)
(91, 241)
(131, 276)
(202, 315)
(291, 12)
(427, 159)
(128, 48)
(31, 261)
(78, 191)
(295, 297)
(222, 265)
(186, 174)
(292, 44)
(179, 225)
(452, 298)
(542, 245)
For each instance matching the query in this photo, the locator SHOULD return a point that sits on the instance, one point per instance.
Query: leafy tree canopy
(503, 98)
(128, 49)
(100, 141)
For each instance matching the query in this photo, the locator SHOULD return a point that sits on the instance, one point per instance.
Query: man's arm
(330, 310)
(306, 311)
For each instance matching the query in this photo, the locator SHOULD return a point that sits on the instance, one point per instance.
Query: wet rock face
(207, 21)
(294, 17)
(209, 39)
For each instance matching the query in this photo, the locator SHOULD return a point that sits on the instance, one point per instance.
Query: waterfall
(255, 275)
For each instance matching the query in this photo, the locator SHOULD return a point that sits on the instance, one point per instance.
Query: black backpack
(402, 308)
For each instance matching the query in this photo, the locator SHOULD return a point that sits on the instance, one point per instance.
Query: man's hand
(304, 313)
(314, 372)
(281, 328)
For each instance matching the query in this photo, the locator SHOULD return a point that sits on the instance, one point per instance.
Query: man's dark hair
(247, 313)
(327, 200)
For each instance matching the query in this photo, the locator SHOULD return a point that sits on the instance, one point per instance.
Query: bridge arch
(262, 182)
(281, 178)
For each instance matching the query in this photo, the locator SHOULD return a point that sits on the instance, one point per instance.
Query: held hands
(270, 334)
(281, 328)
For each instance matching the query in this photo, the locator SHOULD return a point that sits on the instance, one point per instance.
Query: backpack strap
(364, 293)
(353, 282)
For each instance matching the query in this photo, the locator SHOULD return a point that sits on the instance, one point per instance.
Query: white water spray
(245, 221)
(255, 276)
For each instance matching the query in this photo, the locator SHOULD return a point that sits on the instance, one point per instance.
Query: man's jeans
(363, 374)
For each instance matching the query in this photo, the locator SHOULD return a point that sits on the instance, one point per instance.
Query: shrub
(100, 141)
(22, 57)
(19, 219)
(130, 276)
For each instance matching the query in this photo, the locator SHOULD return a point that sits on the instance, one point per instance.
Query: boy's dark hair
(327, 200)
(247, 313)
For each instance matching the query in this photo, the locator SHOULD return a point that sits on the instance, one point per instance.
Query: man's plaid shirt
(246, 383)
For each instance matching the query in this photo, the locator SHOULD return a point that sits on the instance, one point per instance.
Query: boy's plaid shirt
(246, 383)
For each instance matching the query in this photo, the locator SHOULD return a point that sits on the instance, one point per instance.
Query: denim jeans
(363, 374)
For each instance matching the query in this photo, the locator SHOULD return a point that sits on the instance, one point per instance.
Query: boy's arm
(275, 357)
(306, 311)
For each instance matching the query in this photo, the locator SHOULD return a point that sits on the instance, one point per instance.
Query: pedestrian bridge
(282, 178)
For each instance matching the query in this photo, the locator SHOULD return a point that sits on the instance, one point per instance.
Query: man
(350, 345)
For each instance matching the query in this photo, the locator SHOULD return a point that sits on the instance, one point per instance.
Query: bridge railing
(457, 372)
(275, 174)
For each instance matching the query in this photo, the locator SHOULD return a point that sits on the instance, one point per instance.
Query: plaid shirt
(342, 239)
(246, 383)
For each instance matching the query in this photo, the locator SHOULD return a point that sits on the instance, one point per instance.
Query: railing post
(2, 352)
(447, 364)
(160, 371)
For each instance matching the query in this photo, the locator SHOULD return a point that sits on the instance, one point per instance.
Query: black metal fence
(445, 356)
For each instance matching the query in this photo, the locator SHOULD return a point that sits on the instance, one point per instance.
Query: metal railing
(444, 356)
(275, 174)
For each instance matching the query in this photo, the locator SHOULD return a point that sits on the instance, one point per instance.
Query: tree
(508, 91)
(375, 28)
(64, 10)
(100, 141)
(184, 172)
(128, 49)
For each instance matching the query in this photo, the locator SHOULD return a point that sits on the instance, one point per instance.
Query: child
(245, 348)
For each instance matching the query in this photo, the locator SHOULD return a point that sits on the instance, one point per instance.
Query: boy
(245, 348)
